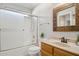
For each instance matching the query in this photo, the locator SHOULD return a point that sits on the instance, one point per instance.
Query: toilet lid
(34, 48)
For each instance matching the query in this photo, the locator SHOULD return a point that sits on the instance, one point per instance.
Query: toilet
(34, 50)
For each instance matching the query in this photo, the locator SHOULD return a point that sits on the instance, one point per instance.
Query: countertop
(71, 47)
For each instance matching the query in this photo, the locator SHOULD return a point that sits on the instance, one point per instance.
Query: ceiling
(23, 5)
(27, 5)
(20, 7)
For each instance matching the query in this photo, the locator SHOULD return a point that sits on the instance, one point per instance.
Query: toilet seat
(32, 50)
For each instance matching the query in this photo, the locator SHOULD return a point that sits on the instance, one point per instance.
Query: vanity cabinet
(48, 50)
(66, 17)
(59, 52)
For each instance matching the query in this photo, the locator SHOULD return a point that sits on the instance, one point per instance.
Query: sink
(61, 44)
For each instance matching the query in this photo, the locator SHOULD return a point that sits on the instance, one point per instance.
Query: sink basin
(61, 44)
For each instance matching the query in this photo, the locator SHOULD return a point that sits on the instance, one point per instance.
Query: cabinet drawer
(59, 52)
(44, 53)
(47, 48)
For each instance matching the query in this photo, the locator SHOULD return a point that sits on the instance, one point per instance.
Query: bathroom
(26, 29)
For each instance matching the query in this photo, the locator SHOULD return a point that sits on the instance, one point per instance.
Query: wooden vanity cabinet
(48, 50)
(59, 52)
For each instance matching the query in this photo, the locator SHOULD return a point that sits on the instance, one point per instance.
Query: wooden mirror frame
(66, 28)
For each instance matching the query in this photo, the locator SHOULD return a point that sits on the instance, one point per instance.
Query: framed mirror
(66, 17)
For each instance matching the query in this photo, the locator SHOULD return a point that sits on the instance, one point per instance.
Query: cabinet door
(44, 53)
(46, 49)
(58, 52)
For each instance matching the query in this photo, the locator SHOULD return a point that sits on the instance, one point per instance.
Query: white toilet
(33, 50)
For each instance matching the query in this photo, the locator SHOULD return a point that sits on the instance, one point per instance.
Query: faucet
(64, 40)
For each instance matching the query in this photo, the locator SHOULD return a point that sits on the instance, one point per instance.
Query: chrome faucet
(64, 40)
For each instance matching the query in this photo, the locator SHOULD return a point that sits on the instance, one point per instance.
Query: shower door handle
(0, 29)
(22, 29)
